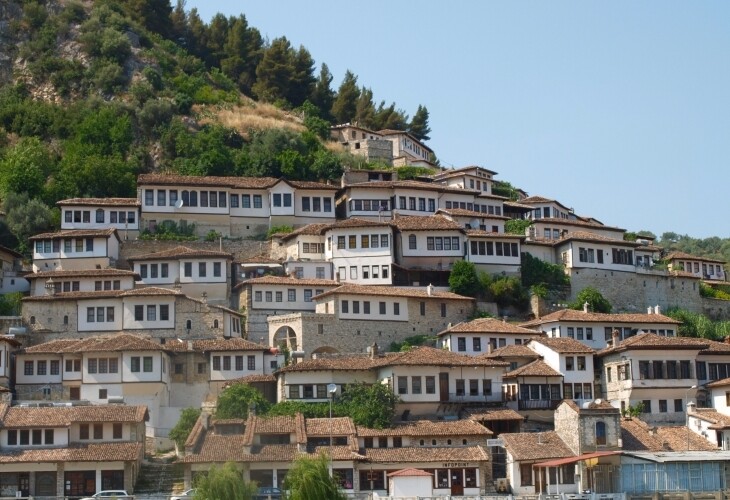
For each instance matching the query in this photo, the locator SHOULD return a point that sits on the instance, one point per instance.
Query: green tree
(184, 425)
(243, 52)
(224, 483)
(538, 272)
(322, 94)
(26, 167)
(236, 400)
(369, 405)
(464, 279)
(365, 109)
(152, 14)
(10, 304)
(596, 301)
(344, 106)
(309, 479)
(508, 291)
(26, 217)
(517, 226)
(387, 117)
(418, 127)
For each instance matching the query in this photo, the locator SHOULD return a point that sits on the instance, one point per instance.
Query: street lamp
(331, 390)
(686, 419)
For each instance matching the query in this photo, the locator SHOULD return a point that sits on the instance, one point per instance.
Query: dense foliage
(538, 272)
(223, 482)
(237, 400)
(180, 432)
(596, 301)
(310, 479)
(699, 325)
(464, 279)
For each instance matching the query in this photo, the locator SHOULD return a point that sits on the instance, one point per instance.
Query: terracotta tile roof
(91, 452)
(649, 248)
(564, 345)
(652, 341)
(686, 256)
(429, 356)
(537, 368)
(529, 446)
(101, 202)
(231, 344)
(308, 230)
(423, 186)
(594, 317)
(427, 454)
(391, 291)
(578, 223)
(636, 435)
(52, 347)
(76, 233)
(10, 340)
(312, 185)
(430, 223)
(716, 347)
(539, 199)
(110, 343)
(226, 448)
(250, 379)
(106, 294)
(428, 428)
(718, 420)
(288, 281)
(513, 351)
(10, 251)
(410, 472)
(450, 172)
(338, 426)
(17, 416)
(182, 252)
(462, 212)
(592, 237)
(478, 233)
(592, 405)
(354, 222)
(492, 414)
(190, 180)
(515, 204)
(218, 448)
(719, 383)
(96, 273)
(489, 325)
(355, 362)
(262, 258)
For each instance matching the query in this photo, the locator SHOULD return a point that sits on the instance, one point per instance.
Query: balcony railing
(538, 404)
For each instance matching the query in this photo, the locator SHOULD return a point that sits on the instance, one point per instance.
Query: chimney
(489, 348)
(649, 310)
(190, 345)
(429, 289)
(374, 351)
(585, 307)
(616, 336)
(657, 310)
(204, 297)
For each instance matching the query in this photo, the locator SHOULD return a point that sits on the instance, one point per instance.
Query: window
(345, 306)
(355, 307)
(102, 394)
(460, 387)
(291, 295)
(226, 363)
(662, 406)
(84, 431)
(473, 387)
(217, 269)
(55, 367)
(678, 407)
(402, 385)
(412, 242)
(461, 344)
(308, 295)
(422, 306)
(381, 308)
(569, 363)
(164, 312)
(396, 308)
(98, 431)
(202, 269)
(430, 384)
(100, 216)
(257, 296)
(416, 385)
(366, 307)
(234, 201)
(149, 197)
(257, 201)
(49, 436)
(28, 368)
(116, 431)
(306, 206)
(581, 362)
(42, 367)
(646, 406)
(353, 272)
(147, 364)
(476, 344)
(151, 313)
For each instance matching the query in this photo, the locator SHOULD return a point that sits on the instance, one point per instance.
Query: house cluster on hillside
(113, 345)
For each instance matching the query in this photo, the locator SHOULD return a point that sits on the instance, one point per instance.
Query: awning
(571, 460)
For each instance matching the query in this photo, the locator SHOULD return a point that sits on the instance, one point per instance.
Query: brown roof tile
(308, 230)
(190, 180)
(594, 317)
(537, 368)
(410, 472)
(354, 222)
(423, 186)
(390, 291)
(251, 379)
(492, 414)
(489, 325)
(96, 273)
(719, 383)
(717, 419)
(108, 343)
(91, 452)
(513, 351)
(312, 185)
(637, 435)
(100, 202)
(338, 426)
(17, 416)
(535, 445)
(652, 341)
(462, 212)
(288, 281)
(578, 223)
(478, 233)
(52, 347)
(686, 256)
(429, 356)
(76, 233)
(431, 223)
(564, 345)
(428, 428)
(182, 252)
(232, 344)
(592, 237)
(355, 362)
(427, 454)
(105, 294)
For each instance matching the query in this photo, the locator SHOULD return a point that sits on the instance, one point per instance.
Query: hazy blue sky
(620, 109)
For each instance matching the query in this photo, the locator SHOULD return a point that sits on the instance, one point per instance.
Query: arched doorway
(285, 336)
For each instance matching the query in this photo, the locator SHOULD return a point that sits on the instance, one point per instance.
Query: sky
(619, 110)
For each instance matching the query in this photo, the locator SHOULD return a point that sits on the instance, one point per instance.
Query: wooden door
(75, 393)
(444, 387)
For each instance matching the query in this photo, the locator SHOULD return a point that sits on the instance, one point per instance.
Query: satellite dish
(179, 204)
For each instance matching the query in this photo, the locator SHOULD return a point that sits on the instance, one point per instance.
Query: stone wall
(577, 427)
(241, 249)
(633, 292)
(716, 309)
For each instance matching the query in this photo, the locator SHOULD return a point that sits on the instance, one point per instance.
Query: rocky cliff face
(10, 12)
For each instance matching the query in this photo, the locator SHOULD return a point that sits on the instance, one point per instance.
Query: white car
(117, 494)
(187, 494)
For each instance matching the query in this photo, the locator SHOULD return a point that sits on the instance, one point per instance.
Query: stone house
(8, 346)
(350, 317)
(70, 451)
(196, 273)
(233, 206)
(364, 142)
(407, 150)
(12, 276)
(702, 267)
(656, 371)
(470, 177)
(73, 250)
(483, 335)
(121, 214)
(596, 329)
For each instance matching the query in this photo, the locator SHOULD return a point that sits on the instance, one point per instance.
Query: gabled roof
(353, 362)
(527, 446)
(537, 368)
(686, 256)
(595, 238)
(491, 414)
(182, 252)
(431, 223)
(571, 315)
(450, 172)
(564, 345)
(354, 222)
(337, 426)
(424, 186)
(10, 340)
(428, 428)
(64, 416)
(637, 435)
(410, 472)
(76, 233)
(77, 452)
(106, 294)
(553, 221)
(100, 202)
(308, 230)
(488, 325)
(652, 341)
(96, 273)
(287, 281)
(209, 180)
(230, 344)
(112, 343)
(717, 419)
(427, 454)
(462, 212)
(513, 351)
(429, 356)
(390, 291)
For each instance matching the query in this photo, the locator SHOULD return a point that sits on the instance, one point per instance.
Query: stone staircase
(159, 476)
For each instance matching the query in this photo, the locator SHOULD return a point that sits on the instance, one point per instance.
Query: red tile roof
(478, 233)
(429, 428)
(461, 212)
(430, 223)
(489, 325)
(410, 472)
(96, 273)
(492, 414)
(637, 435)
(426, 454)
(232, 344)
(390, 291)
(429, 356)
(101, 202)
(190, 180)
(182, 252)
(564, 345)
(18, 416)
(513, 351)
(423, 186)
(537, 368)
(91, 452)
(594, 317)
(288, 281)
(76, 233)
(531, 446)
(652, 341)
(686, 256)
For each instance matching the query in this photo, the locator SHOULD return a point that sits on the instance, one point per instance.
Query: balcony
(538, 404)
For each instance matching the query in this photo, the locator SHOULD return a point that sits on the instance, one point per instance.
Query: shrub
(464, 279)
(596, 301)
(180, 432)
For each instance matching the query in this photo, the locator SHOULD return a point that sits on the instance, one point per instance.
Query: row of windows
(40, 367)
(478, 185)
(662, 406)
(368, 272)
(548, 213)
(107, 285)
(578, 391)
(99, 314)
(382, 307)
(315, 205)
(30, 437)
(366, 241)
(98, 431)
(375, 479)
(152, 310)
(475, 207)
(319, 272)
(589, 255)
(115, 217)
(308, 391)
(437, 243)
(579, 334)
(189, 198)
(476, 342)
(369, 205)
(291, 295)
(66, 286)
(423, 204)
(313, 248)
(102, 365)
(69, 246)
(281, 200)
(575, 363)
(224, 362)
(665, 370)
(707, 269)
(494, 248)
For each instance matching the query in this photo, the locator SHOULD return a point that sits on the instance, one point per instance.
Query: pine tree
(274, 71)
(322, 95)
(216, 39)
(345, 105)
(243, 49)
(302, 77)
(418, 127)
(152, 14)
(390, 118)
(365, 109)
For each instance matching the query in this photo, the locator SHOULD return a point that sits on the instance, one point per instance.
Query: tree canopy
(238, 399)
(309, 479)
(596, 301)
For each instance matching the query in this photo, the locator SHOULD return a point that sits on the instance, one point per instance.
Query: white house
(494, 252)
(433, 242)
(483, 335)
(574, 360)
(407, 150)
(87, 280)
(121, 214)
(472, 177)
(72, 451)
(485, 220)
(524, 450)
(581, 249)
(361, 251)
(702, 267)
(12, 277)
(596, 329)
(195, 272)
(76, 249)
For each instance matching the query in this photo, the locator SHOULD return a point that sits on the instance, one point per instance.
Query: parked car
(117, 494)
(184, 495)
(267, 493)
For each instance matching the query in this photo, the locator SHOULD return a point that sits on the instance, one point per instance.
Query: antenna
(179, 204)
